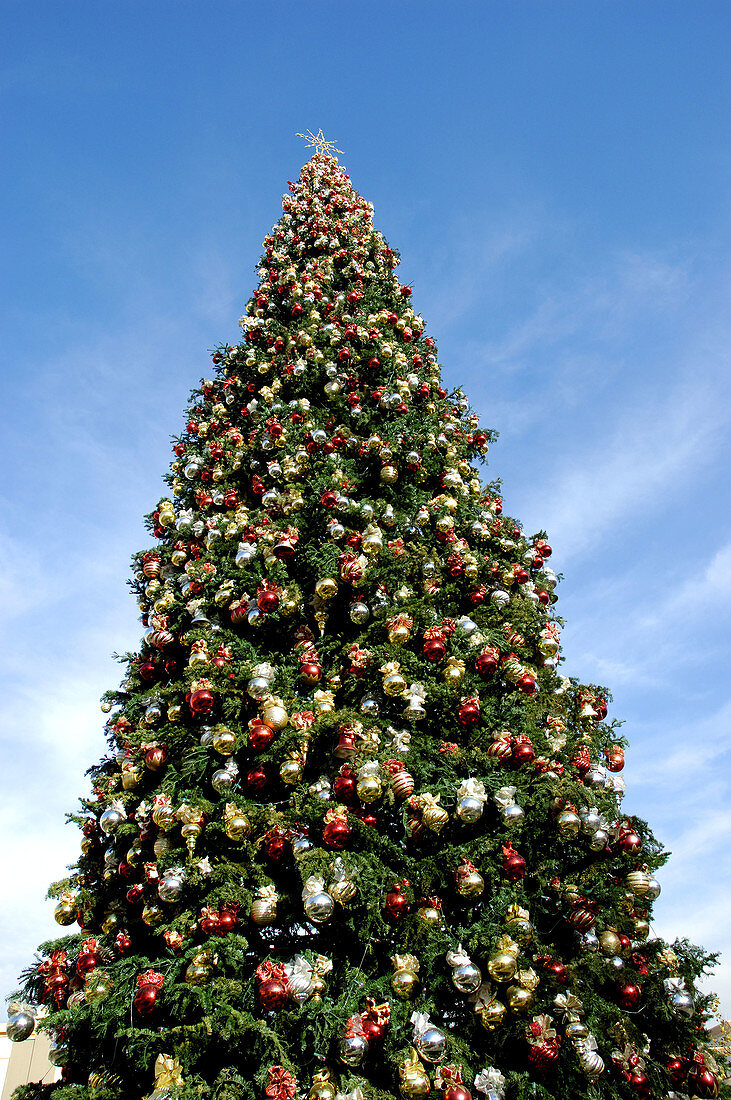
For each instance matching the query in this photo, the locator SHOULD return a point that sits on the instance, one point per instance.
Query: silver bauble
(58, 1054)
(598, 841)
(592, 1064)
(170, 886)
(369, 706)
(590, 822)
(319, 907)
(153, 714)
(360, 613)
(110, 820)
(616, 962)
(352, 1049)
(682, 1003)
(653, 889)
(223, 779)
(432, 1044)
(589, 942)
(512, 815)
(258, 687)
(467, 978)
(20, 1026)
(469, 809)
(301, 845)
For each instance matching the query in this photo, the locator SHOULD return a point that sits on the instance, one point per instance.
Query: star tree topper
(319, 143)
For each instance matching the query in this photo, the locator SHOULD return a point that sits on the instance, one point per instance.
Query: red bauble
(397, 904)
(257, 779)
(155, 757)
(367, 817)
(148, 671)
(122, 942)
(372, 1030)
(145, 999)
(260, 735)
(615, 759)
(486, 662)
(86, 963)
(527, 684)
(639, 1082)
(477, 596)
(469, 712)
(267, 600)
(272, 994)
(544, 598)
(345, 784)
(629, 995)
(228, 919)
(521, 574)
(630, 841)
(457, 1092)
(677, 1068)
(434, 649)
(556, 969)
(543, 1056)
(523, 751)
(135, 893)
(702, 1082)
(625, 944)
(276, 847)
(209, 922)
(310, 672)
(201, 701)
(335, 833)
(514, 866)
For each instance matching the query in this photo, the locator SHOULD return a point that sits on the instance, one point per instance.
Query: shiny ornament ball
(369, 788)
(20, 1026)
(502, 966)
(469, 810)
(394, 684)
(170, 887)
(198, 973)
(492, 1015)
(432, 1044)
(609, 942)
(58, 1054)
(222, 780)
(470, 885)
(638, 882)
(569, 823)
(466, 978)
(352, 1049)
(681, 1003)
(272, 994)
(404, 983)
(519, 999)
(110, 820)
(274, 715)
(319, 907)
(223, 740)
(65, 912)
(629, 995)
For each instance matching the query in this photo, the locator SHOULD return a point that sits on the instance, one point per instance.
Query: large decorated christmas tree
(356, 834)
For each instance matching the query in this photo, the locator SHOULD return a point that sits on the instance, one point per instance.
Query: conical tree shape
(355, 831)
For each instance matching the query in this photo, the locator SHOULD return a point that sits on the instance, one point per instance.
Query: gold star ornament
(319, 143)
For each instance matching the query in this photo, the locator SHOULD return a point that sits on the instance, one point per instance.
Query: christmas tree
(356, 835)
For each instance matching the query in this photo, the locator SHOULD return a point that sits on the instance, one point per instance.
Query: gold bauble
(198, 972)
(638, 882)
(131, 777)
(429, 914)
(236, 824)
(264, 910)
(322, 1087)
(291, 771)
(520, 929)
(110, 923)
(454, 672)
(642, 929)
(569, 823)
(471, 885)
(404, 983)
(394, 684)
(175, 712)
(65, 912)
(161, 847)
(609, 942)
(399, 635)
(274, 715)
(389, 474)
(492, 1015)
(86, 845)
(369, 788)
(97, 986)
(152, 915)
(326, 588)
(502, 966)
(520, 999)
(224, 740)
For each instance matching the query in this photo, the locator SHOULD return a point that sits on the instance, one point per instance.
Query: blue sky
(556, 177)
